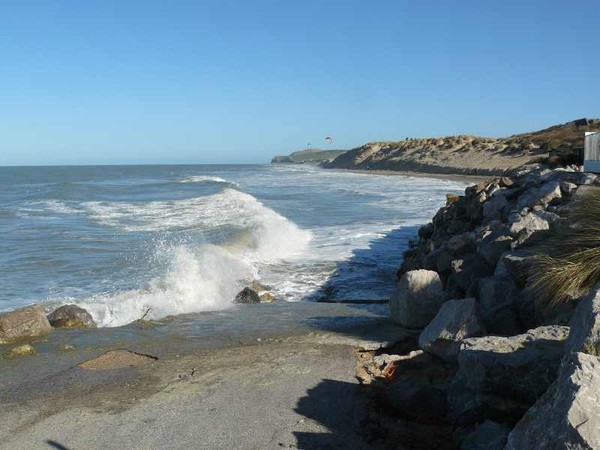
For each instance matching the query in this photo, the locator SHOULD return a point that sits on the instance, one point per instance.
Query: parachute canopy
(328, 140)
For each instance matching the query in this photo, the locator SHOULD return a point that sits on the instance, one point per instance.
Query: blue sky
(132, 82)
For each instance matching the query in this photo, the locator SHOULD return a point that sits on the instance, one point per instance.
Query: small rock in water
(267, 297)
(71, 316)
(247, 295)
(25, 322)
(22, 350)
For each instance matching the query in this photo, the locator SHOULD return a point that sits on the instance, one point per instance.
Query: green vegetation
(308, 156)
(568, 263)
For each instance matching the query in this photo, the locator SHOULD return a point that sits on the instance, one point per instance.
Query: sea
(153, 241)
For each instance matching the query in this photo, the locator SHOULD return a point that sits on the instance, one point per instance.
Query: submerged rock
(568, 414)
(22, 350)
(247, 296)
(71, 316)
(417, 298)
(30, 321)
(117, 359)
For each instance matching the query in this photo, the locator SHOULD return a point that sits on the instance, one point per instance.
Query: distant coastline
(463, 155)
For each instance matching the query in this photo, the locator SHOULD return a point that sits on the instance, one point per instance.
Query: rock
(452, 198)
(117, 359)
(258, 287)
(26, 322)
(247, 295)
(499, 378)
(426, 231)
(455, 321)
(578, 178)
(506, 182)
(531, 222)
(417, 399)
(585, 326)
(468, 269)
(493, 208)
(492, 246)
(487, 436)
(475, 207)
(517, 266)
(417, 298)
(542, 195)
(71, 316)
(497, 297)
(461, 245)
(440, 260)
(567, 188)
(567, 416)
(22, 350)
(266, 297)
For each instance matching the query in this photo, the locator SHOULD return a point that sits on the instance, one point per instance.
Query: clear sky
(124, 81)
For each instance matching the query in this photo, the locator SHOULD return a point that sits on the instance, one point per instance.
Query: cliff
(462, 154)
(308, 156)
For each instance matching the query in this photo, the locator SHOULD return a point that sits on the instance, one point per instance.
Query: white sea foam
(201, 278)
(45, 208)
(207, 179)
(204, 279)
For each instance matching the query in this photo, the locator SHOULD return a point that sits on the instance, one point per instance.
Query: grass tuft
(567, 264)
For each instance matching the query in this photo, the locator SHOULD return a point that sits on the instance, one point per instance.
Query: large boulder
(493, 245)
(531, 222)
(417, 298)
(493, 208)
(487, 436)
(585, 326)
(517, 266)
(26, 322)
(499, 378)
(540, 196)
(466, 270)
(71, 316)
(497, 297)
(455, 321)
(567, 416)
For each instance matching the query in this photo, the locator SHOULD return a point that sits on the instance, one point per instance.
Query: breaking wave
(198, 277)
(207, 179)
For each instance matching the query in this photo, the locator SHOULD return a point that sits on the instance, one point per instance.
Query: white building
(591, 153)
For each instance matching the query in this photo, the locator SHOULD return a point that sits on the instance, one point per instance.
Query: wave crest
(204, 277)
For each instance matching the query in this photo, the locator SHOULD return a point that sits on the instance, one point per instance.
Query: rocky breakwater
(518, 373)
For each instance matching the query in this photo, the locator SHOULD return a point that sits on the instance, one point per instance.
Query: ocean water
(123, 241)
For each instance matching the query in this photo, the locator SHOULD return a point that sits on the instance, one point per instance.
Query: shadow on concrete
(56, 445)
(337, 406)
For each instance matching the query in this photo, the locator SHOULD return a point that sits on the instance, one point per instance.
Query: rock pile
(522, 378)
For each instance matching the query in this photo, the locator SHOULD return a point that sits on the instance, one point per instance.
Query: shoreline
(439, 176)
